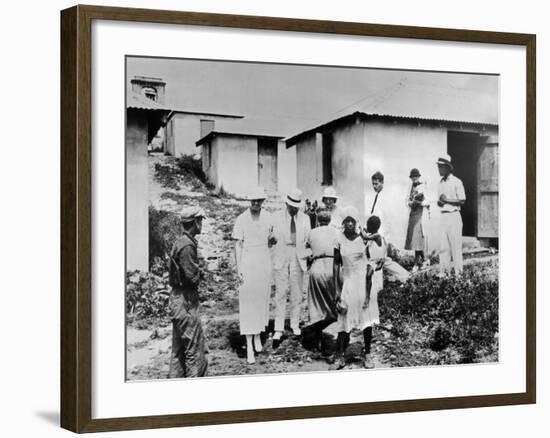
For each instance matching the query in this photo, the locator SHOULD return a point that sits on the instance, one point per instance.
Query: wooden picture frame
(76, 217)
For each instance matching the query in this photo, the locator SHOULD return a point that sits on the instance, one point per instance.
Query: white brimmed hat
(294, 198)
(329, 192)
(256, 193)
(445, 160)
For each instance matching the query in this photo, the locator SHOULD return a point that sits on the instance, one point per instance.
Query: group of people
(344, 259)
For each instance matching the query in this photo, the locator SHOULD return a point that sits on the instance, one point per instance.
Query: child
(376, 249)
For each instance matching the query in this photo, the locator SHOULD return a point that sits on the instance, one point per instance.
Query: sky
(283, 99)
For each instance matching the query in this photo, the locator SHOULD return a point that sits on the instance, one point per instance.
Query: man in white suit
(290, 228)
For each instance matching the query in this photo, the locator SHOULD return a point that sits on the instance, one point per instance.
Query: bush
(430, 316)
(188, 163)
(185, 170)
(164, 227)
(168, 176)
(147, 296)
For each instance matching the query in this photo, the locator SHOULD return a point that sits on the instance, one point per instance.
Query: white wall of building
(137, 192)
(359, 150)
(186, 131)
(306, 169)
(394, 149)
(286, 168)
(237, 164)
(347, 169)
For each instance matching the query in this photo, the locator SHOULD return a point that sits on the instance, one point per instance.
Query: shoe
(414, 270)
(367, 362)
(337, 364)
(257, 344)
(250, 359)
(277, 336)
(296, 332)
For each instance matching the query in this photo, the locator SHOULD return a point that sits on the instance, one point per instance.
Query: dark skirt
(415, 233)
(321, 294)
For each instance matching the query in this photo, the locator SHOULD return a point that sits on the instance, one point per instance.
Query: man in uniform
(188, 347)
(451, 198)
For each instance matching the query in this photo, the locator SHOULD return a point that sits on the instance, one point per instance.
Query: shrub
(191, 164)
(167, 175)
(437, 315)
(172, 173)
(147, 296)
(163, 231)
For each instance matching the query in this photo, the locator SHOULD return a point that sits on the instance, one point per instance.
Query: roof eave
(292, 141)
(208, 137)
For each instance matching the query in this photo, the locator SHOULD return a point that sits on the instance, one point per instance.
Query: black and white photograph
(288, 218)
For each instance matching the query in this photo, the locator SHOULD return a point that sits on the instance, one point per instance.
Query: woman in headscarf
(252, 233)
(357, 308)
(416, 202)
(321, 296)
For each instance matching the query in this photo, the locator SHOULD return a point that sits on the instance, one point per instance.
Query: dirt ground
(149, 343)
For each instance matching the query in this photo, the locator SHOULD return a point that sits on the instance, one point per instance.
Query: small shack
(238, 161)
(346, 151)
(144, 117)
(185, 128)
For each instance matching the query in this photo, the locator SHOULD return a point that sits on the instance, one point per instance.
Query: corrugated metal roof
(204, 113)
(208, 137)
(424, 100)
(291, 141)
(416, 101)
(253, 124)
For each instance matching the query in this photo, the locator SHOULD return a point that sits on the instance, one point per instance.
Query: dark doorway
(267, 163)
(463, 147)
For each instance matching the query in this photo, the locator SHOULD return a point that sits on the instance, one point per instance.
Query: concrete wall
(362, 148)
(187, 131)
(347, 166)
(137, 195)
(286, 168)
(211, 168)
(394, 149)
(234, 164)
(138, 85)
(306, 168)
(237, 163)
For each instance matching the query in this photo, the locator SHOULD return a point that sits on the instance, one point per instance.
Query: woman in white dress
(252, 232)
(357, 306)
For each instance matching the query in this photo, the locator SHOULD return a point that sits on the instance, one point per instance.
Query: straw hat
(294, 198)
(445, 160)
